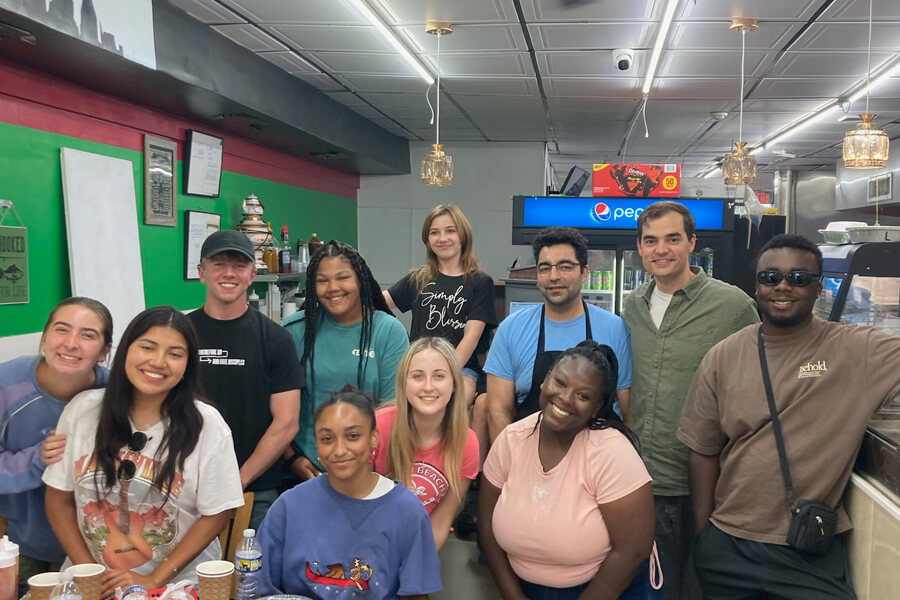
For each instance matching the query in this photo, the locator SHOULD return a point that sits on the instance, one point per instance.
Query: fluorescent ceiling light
(661, 35)
(808, 120)
(363, 9)
(757, 150)
(861, 92)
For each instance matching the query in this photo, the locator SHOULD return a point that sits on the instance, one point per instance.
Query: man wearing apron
(528, 341)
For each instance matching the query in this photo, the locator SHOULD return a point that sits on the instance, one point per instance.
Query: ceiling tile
(607, 36)
(340, 38)
(208, 11)
(289, 61)
(294, 11)
(469, 38)
(457, 11)
(369, 63)
(250, 37)
(571, 12)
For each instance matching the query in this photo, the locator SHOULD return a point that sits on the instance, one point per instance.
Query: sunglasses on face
(794, 278)
(127, 468)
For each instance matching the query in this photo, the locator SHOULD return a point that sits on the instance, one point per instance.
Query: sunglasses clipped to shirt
(127, 468)
(794, 278)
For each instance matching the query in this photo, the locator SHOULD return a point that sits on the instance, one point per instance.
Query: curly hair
(604, 360)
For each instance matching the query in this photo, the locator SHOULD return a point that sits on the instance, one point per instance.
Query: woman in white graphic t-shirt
(147, 476)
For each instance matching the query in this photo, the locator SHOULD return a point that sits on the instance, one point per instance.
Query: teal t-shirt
(337, 361)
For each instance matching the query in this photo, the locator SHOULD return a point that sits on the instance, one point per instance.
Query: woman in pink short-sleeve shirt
(425, 440)
(566, 505)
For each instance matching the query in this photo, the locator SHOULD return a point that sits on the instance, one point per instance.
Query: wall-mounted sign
(13, 265)
(609, 213)
(636, 180)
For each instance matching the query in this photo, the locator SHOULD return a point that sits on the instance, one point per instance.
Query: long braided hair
(370, 299)
(604, 360)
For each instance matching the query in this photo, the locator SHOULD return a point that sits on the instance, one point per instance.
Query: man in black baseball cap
(250, 368)
(227, 240)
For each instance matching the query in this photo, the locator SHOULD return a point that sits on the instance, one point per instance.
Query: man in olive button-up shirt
(674, 320)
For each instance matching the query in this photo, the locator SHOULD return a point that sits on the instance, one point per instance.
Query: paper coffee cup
(42, 584)
(89, 579)
(215, 579)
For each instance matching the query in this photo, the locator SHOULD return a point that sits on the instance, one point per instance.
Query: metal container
(874, 233)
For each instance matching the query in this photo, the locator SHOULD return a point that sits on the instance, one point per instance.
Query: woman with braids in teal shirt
(346, 334)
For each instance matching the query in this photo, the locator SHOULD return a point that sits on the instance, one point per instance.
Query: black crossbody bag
(812, 522)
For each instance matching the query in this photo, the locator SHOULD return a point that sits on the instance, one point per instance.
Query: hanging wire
(644, 114)
(437, 132)
(743, 49)
(428, 100)
(869, 59)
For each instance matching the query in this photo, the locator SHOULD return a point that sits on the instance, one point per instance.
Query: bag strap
(776, 423)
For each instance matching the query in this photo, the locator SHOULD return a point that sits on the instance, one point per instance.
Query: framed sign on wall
(198, 226)
(159, 181)
(202, 164)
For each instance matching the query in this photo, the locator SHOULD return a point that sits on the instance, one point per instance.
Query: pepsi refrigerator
(610, 226)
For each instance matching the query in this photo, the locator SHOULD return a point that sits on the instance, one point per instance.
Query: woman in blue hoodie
(33, 391)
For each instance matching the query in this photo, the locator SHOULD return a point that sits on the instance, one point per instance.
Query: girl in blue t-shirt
(350, 532)
(33, 391)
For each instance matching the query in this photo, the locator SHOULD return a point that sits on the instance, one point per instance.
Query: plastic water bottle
(66, 588)
(133, 592)
(247, 565)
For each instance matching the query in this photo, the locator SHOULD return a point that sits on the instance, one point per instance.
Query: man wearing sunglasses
(827, 380)
(674, 320)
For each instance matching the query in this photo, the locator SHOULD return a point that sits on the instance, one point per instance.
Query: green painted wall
(30, 176)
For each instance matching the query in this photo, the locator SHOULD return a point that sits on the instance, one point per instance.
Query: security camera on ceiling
(623, 58)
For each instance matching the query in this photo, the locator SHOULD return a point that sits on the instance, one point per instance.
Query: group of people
(614, 456)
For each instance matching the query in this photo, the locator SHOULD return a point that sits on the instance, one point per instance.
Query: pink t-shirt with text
(549, 523)
(428, 480)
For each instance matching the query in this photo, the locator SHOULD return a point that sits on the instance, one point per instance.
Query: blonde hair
(454, 426)
(422, 276)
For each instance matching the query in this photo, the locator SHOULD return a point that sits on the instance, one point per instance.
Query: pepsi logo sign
(601, 212)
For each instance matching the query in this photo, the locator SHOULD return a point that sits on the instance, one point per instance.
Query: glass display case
(861, 286)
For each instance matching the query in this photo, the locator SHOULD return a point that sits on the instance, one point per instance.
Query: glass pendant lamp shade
(865, 146)
(437, 167)
(739, 166)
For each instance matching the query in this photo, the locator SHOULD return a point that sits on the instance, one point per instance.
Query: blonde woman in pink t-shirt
(425, 441)
(565, 505)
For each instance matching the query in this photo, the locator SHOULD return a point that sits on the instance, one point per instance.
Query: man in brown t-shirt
(827, 381)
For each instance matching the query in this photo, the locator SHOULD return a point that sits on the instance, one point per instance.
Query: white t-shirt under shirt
(208, 484)
(659, 303)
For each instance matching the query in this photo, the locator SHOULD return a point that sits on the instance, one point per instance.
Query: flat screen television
(574, 182)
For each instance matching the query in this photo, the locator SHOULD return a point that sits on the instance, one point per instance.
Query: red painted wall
(40, 101)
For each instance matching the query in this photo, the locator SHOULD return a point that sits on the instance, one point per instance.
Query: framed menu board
(202, 164)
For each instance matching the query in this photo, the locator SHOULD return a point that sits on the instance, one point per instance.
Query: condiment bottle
(9, 572)
(284, 253)
(314, 244)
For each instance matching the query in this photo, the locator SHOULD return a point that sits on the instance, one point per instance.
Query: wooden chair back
(233, 533)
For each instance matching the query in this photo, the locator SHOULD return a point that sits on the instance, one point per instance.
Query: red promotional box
(636, 181)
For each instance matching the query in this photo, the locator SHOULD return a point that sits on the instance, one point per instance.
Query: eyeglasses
(794, 278)
(127, 468)
(563, 266)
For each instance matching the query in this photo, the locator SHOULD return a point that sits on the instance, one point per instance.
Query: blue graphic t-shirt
(319, 543)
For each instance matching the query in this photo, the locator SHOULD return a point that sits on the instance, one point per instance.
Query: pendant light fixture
(739, 166)
(866, 146)
(437, 166)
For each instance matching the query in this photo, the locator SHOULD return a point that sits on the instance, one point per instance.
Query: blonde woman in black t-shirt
(449, 296)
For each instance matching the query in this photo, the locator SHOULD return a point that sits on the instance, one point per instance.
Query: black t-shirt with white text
(243, 362)
(444, 306)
